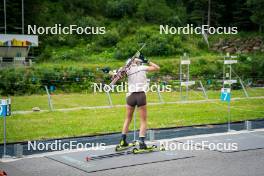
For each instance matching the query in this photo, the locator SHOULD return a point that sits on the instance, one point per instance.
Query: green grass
(94, 61)
(100, 99)
(46, 125)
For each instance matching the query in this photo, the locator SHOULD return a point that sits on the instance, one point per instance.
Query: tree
(240, 16)
(179, 14)
(154, 11)
(256, 7)
(120, 8)
(198, 11)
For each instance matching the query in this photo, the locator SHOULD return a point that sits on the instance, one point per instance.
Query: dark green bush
(155, 11)
(109, 39)
(156, 44)
(30, 81)
(126, 27)
(160, 45)
(126, 48)
(201, 44)
(120, 8)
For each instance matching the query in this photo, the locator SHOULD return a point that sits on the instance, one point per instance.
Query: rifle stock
(121, 72)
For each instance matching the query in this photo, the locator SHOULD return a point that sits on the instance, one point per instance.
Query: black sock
(142, 139)
(124, 137)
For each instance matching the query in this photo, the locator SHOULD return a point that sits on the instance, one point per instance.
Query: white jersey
(137, 79)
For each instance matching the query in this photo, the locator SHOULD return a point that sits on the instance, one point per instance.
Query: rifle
(121, 72)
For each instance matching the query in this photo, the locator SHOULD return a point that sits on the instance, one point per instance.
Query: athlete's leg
(129, 115)
(130, 107)
(143, 120)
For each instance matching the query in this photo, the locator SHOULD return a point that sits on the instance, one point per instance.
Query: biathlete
(136, 96)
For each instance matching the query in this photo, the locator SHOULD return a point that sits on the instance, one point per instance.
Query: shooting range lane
(157, 163)
(252, 140)
(78, 160)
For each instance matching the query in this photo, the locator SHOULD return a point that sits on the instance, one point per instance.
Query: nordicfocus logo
(191, 29)
(204, 145)
(58, 145)
(124, 87)
(66, 30)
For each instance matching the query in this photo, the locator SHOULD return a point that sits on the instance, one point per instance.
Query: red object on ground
(88, 158)
(3, 173)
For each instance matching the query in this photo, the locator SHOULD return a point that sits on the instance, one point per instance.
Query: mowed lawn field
(56, 124)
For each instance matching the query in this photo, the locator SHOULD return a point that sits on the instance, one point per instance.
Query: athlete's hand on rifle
(112, 72)
(117, 74)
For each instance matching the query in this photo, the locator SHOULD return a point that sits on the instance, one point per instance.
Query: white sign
(230, 81)
(230, 61)
(4, 102)
(185, 62)
(187, 83)
(227, 90)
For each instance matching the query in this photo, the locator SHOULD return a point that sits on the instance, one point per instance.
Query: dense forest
(124, 17)
(245, 14)
(71, 62)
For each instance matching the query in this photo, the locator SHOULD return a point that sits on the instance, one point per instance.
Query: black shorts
(137, 99)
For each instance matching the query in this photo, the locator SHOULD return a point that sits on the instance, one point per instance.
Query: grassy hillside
(73, 62)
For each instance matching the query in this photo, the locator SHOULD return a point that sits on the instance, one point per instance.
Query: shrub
(120, 8)
(126, 48)
(155, 11)
(126, 27)
(109, 39)
(160, 45)
(30, 81)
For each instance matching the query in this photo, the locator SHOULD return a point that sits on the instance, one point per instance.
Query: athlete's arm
(153, 67)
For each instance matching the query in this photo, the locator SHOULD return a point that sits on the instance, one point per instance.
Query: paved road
(204, 162)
